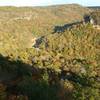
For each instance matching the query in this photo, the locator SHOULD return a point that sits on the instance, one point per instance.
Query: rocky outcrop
(93, 18)
(63, 28)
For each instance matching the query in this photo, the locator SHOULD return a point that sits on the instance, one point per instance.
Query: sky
(47, 2)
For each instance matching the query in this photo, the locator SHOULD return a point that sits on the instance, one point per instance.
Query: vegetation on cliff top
(67, 62)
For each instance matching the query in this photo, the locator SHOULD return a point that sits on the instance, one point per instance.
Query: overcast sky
(47, 2)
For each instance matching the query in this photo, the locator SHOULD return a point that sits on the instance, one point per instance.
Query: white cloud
(47, 2)
(26, 2)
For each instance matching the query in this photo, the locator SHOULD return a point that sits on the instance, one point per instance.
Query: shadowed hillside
(40, 75)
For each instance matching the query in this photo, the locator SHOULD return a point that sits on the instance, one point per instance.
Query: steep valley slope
(19, 25)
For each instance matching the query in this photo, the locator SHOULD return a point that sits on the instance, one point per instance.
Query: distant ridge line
(94, 7)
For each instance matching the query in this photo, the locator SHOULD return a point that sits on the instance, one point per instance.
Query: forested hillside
(18, 26)
(60, 65)
(65, 66)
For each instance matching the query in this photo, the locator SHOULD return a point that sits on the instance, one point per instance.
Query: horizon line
(49, 5)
